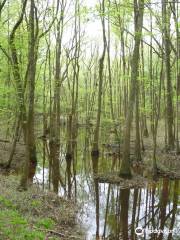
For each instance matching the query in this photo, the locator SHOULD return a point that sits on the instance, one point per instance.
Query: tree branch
(144, 42)
(2, 5)
(5, 53)
(12, 34)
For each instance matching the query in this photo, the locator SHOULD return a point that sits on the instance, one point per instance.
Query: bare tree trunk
(156, 113)
(20, 91)
(175, 12)
(144, 119)
(54, 143)
(138, 22)
(110, 80)
(138, 139)
(31, 87)
(169, 107)
(95, 148)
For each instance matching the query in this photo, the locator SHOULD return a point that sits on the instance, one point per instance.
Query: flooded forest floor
(37, 214)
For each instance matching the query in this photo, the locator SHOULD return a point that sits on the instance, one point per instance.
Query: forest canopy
(107, 63)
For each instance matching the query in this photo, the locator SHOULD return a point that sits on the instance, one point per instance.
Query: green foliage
(5, 202)
(45, 223)
(35, 203)
(13, 226)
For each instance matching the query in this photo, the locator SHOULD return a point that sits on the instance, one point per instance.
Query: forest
(89, 119)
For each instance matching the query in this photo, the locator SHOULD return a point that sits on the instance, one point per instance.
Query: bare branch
(2, 5)
(5, 53)
(144, 42)
(12, 34)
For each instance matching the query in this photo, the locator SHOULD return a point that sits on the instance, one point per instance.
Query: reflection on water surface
(110, 212)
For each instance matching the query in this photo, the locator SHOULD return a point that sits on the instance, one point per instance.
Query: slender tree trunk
(175, 11)
(156, 113)
(144, 119)
(110, 80)
(138, 22)
(138, 139)
(169, 94)
(54, 143)
(20, 93)
(31, 87)
(95, 148)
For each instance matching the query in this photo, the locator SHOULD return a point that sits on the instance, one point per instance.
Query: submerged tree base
(125, 170)
(69, 156)
(95, 153)
(114, 178)
(125, 175)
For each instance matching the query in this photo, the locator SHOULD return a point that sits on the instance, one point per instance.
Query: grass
(34, 214)
(13, 226)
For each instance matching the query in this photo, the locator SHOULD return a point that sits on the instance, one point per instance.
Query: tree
(54, 143)
(138, 23)
(95, 148)
(167, 56)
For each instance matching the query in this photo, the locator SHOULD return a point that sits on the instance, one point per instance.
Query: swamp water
(108, 211)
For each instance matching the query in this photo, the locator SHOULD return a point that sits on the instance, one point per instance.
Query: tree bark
(138, 22)
(167, 55)
(95, 148)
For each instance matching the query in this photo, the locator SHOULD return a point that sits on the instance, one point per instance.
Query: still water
(109, 211)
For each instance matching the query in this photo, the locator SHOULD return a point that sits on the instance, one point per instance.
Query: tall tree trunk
(156, 113)
(31, 88)
(95, 148)
(73, 117)
(110, 79)
(166, 41)
(54, 143)
(138, 140)
(175, 12)
(138, 22)
(31, 161)
(144, 119)
(20, 92)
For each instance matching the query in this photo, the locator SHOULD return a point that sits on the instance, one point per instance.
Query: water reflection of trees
(119, 211)
(126, 209)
